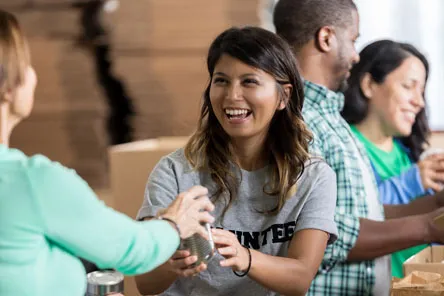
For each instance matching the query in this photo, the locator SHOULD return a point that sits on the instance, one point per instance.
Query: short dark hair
(379, 59)
(299, 21)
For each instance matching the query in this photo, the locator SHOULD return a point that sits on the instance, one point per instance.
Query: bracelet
(172, 222)
(248, 268)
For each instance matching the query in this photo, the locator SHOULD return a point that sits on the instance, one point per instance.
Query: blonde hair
(14, 53)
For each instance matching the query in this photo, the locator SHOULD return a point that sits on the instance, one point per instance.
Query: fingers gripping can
(432, 151)
(104, 282)
(199, 246)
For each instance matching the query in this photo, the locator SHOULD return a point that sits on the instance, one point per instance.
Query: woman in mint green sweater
(49, 215)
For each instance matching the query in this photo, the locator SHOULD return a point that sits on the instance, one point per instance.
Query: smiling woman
(385, 106)
(244, 99)
(274, 204)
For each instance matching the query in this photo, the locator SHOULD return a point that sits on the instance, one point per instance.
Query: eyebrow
(242, 76)
(219, 73)
(417, 81)
(414, 79)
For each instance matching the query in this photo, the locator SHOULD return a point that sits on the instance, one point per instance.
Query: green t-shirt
(387, 165)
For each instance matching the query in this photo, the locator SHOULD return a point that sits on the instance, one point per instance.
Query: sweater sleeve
(401, 189)
(75, 220)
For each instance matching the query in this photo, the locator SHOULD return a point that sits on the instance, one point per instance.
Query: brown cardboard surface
(130, 166)
(429, 260)
(418, 283)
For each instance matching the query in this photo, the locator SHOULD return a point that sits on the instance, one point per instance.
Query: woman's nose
(233, 92)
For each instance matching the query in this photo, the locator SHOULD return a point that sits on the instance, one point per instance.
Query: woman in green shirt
(49, 215)
(384, 106)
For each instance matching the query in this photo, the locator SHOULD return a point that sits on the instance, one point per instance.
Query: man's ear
(8, 96)
(325, 38)
(287, 90)
(367, 85)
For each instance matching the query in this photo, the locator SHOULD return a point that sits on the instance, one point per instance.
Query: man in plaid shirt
(323, 33)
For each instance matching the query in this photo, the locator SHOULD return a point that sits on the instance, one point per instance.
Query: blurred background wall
(158, 50)
(413, 21)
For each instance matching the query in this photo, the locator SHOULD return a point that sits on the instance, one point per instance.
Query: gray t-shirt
(312, 206)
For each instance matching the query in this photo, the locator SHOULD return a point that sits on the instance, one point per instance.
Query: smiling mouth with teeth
(237, 113)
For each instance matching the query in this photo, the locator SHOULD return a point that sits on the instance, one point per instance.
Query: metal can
(430, 151)
(103, 282)
(200, 247)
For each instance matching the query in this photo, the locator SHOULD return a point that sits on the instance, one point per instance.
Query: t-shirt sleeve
(161, 189)
(319, 209)
(76, 221)
(403, 188)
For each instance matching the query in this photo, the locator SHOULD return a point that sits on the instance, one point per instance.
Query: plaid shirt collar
(316, 94)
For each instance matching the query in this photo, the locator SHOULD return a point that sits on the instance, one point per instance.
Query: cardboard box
(430, 260)
(130, 166)
(418, 283)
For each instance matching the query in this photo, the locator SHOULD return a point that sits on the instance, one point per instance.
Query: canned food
(200, 247)
(103, 282)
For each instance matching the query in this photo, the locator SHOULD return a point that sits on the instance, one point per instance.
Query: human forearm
(181, 264)
(156, 281)
(286, 276)
(85, 227)
(379, 238)
(419, 206)
(290, 275)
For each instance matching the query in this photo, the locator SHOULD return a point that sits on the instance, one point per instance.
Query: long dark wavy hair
(288, 137)
(379, 59)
